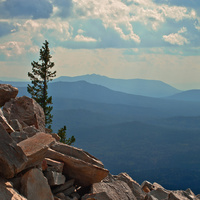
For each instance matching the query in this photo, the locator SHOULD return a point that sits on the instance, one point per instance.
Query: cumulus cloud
(81, 38)
(26, 8)
(176, 38)
(62, 8)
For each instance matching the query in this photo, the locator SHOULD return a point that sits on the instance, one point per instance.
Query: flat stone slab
(84, 173)
(12, 158)
(6, 93)
(35, 148)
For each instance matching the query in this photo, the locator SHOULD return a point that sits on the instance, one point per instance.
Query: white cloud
(113, 13)
(81, 38)
(176, 38)
(12, 48)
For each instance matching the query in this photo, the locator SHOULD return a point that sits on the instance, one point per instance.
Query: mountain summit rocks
(35, 165)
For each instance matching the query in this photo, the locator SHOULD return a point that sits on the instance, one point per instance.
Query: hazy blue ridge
(152, 88)
(155, 139)
(189, 95)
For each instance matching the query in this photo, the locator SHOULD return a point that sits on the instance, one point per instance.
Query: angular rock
(5, 123)
(54, 178)
(54, 165)
(134, 186)
(12, 158)
(98, 196)
(35, 186)
(6, 93)
(159, 193)
(30, 131)
(18, 136)
(16, 125)
(35, 148)
(83, 172)
(76, 153)
(69, 191)
(27, 111)
(7, 192)
(114, 190)
(147, 184)
(65, 186)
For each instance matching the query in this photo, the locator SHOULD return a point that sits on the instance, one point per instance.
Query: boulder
(65, 186)
(76, 153)
(16, 125)
(7, 192)
(27, 111)
(12, 158)
(6, 93)
(18, 136)
(30, 131)
(83, 172)
(5, 123)
(114, 190)
(97, 196)
(35, 186)
(54, 165)
(54, 178)
(134, 186)
(35, 148)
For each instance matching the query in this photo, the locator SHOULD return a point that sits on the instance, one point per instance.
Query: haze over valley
(154, 136)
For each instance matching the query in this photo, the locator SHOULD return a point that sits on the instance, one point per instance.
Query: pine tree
(63, 138)
(40, 76)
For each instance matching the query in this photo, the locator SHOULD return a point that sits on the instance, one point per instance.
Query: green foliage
(40, 76)
(63, 139)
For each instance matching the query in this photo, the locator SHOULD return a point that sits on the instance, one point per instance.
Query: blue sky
(149, 39)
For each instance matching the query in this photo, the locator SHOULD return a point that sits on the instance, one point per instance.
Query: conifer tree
(63, 138)
(40, 76)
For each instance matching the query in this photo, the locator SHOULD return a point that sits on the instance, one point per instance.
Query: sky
(127, 39)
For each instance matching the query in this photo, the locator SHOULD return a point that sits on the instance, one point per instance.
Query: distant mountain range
(152, 88)
(132, 133)
(190, 95)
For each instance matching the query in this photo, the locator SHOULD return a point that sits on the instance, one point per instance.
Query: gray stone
(16, 125)
(54, 165)
(54, 178)
(114, 190)
(134, 186)
(18, 136)
(6, 93)
(69, 191)
(96, 196)
(30, 131)
(12, 158)
(35, 186)
(63, 187)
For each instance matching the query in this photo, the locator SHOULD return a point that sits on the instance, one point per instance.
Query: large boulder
(76, 153)
(35, 148)
(114, 189)
(6, 93)
(27, 111)
(35, 186)
(134, 186)
(12, 158)
(7, 192)
(83, 172)
(5, 123)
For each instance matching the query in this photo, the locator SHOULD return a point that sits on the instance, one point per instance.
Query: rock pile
(34, 165)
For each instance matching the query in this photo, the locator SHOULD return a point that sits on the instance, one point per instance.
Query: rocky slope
(34, 165)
